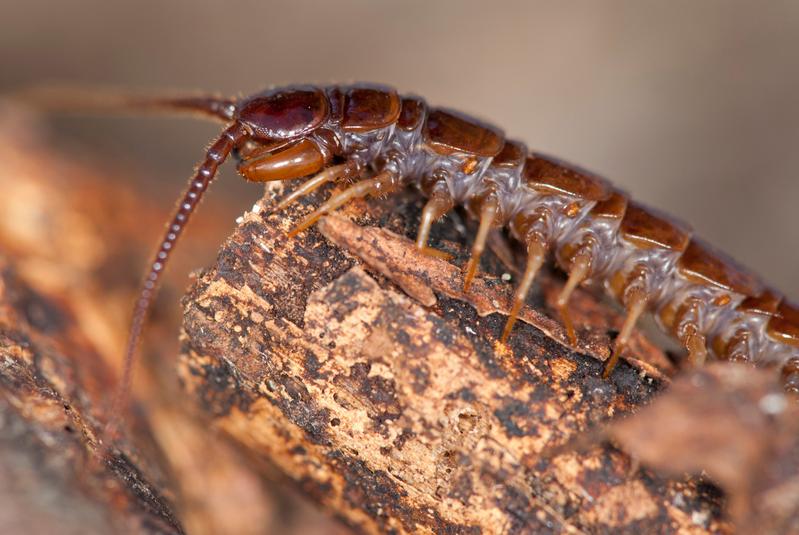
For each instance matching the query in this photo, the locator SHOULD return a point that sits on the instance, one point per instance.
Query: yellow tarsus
(439, 204)
(696, 346)
(487, 215)
(536, 252)
(378, 184)
(435, 253)
(636, 304)
(331, 174)
(578, 273)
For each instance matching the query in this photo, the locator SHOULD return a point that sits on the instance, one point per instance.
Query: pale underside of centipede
(378, 142)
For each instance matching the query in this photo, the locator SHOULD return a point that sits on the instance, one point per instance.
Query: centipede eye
(285, 113)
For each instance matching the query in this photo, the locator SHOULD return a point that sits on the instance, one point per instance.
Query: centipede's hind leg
(382, 183)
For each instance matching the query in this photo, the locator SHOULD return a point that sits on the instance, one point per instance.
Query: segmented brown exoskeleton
(383, 142)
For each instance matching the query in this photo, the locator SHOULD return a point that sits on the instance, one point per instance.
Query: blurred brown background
(692, 106)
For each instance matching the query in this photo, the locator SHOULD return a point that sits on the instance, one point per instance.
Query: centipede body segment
(378, 142)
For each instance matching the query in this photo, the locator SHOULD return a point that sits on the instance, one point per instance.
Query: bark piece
(736, 424)
(400, 412)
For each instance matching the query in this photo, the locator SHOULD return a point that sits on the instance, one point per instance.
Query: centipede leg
(374, 186)
(488, 213)
(498, 243)
(536, 253)
(790, 376)
(440, 203)
(689, 331)
(695, 343)
(636, 304)
(580, 268)
(336, 173)
(738, 348)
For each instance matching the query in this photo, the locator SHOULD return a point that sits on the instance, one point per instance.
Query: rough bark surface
(737, 425)
(361, 373)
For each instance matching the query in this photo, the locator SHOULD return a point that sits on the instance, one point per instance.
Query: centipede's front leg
(383, 183)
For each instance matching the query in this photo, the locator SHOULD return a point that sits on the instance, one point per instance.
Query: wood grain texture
(359, 371)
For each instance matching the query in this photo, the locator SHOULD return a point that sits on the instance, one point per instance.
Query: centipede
(372, 141)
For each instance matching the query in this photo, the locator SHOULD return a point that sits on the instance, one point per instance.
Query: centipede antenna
(635, 307)
(536, 253)
(488, 213)
(203, 176)
(97, 101)
(578, 273)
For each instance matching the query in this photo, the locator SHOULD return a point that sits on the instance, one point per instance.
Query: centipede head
(282, 123)
(285, 113)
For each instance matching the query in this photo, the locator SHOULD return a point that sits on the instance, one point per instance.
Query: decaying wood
(359, 371)
(736, 424)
